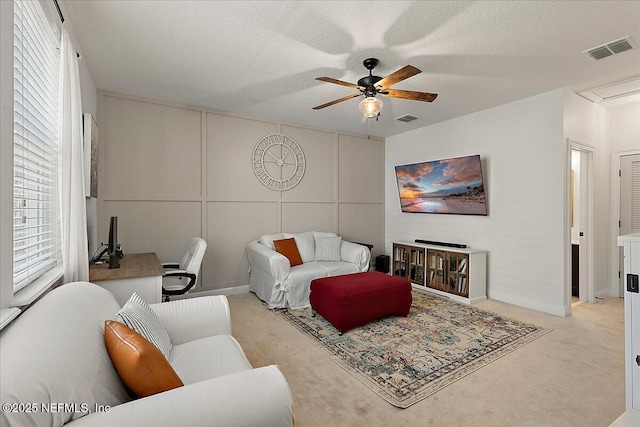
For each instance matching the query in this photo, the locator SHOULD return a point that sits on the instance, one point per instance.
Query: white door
(629, 200)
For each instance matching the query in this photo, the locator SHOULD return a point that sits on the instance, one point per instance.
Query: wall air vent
(406, 118)
(611, 48)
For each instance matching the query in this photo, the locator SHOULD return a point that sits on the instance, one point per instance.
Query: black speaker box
(382, 263)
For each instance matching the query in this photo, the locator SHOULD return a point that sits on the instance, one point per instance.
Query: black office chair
(178, 279)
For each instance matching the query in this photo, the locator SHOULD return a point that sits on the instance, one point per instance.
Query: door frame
(615, 280)
(586, 283)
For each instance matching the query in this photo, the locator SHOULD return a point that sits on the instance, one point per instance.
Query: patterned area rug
(405, 359)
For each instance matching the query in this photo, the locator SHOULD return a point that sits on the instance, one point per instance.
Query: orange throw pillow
(141, 366)
(288, 248)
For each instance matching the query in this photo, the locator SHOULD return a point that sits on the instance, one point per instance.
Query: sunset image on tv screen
(453, 186)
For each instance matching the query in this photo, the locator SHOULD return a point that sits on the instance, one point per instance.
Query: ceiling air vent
(406, 118)
(611, 48)
(599, 52)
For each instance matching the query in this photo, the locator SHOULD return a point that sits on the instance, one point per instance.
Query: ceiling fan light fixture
(371, 85)
(370, 107)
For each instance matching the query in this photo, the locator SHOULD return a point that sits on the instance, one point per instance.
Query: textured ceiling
(261, 58)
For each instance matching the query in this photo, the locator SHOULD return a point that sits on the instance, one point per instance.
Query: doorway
(581, 222)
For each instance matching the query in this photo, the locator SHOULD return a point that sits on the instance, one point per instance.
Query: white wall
(624, 137)
(624, 123)
(88, 89)
(524, 159)
(583, 124)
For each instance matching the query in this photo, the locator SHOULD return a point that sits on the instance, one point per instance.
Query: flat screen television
(448, 186)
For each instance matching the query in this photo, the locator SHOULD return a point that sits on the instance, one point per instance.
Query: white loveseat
(273, 279)
(55, 354)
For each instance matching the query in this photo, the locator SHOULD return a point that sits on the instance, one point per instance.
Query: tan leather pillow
(288, 248)
(141, 366)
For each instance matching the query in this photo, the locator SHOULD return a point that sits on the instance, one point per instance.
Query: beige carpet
(406, 359)
(573, 376)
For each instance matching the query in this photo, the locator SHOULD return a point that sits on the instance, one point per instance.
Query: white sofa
(55, 354)
(278, 284)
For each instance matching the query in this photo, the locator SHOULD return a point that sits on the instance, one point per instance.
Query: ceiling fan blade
(400, 75)
(346, 98)
(338, 82)
(409, 94)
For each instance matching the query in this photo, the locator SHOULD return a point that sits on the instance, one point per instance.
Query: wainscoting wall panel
(308, 217)
(318, 183)
(356, 220)
(151, 152)
(230, 226)
(172, 172)
(361, 167)
(230, 144)
(163, 227)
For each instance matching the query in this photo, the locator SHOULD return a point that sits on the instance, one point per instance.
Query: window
(36, 215)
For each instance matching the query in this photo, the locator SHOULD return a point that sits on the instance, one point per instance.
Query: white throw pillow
(137, 315)
(328, 248)
(323, 234)
(305, 244)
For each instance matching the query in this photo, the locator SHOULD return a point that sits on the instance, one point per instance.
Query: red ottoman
(354, 299)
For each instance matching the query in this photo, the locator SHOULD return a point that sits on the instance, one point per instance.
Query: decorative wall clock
(278, 162)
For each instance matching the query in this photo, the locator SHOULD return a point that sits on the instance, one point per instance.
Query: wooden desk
(141, 273)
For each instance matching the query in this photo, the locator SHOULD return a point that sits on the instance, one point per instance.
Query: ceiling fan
(371, 85)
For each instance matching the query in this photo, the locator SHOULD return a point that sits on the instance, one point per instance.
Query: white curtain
(72, 197)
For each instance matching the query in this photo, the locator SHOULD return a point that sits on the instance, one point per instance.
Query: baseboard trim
(531, 304)
(604, 294)
(235, 290)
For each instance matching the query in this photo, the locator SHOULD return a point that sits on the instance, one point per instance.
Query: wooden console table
(141, 273)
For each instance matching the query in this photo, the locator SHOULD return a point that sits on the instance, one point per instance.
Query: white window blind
(36, 215)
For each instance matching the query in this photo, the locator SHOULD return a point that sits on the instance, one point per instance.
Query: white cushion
(333, 268)
(174, 283)
(298, 282)
(323, 234)
(137, 315)
(305, 243)
(208, 357)
(268, 239)
(328, 248)
(299, 279)
(55, 352)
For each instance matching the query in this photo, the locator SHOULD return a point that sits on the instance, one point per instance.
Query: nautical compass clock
(278, 162)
